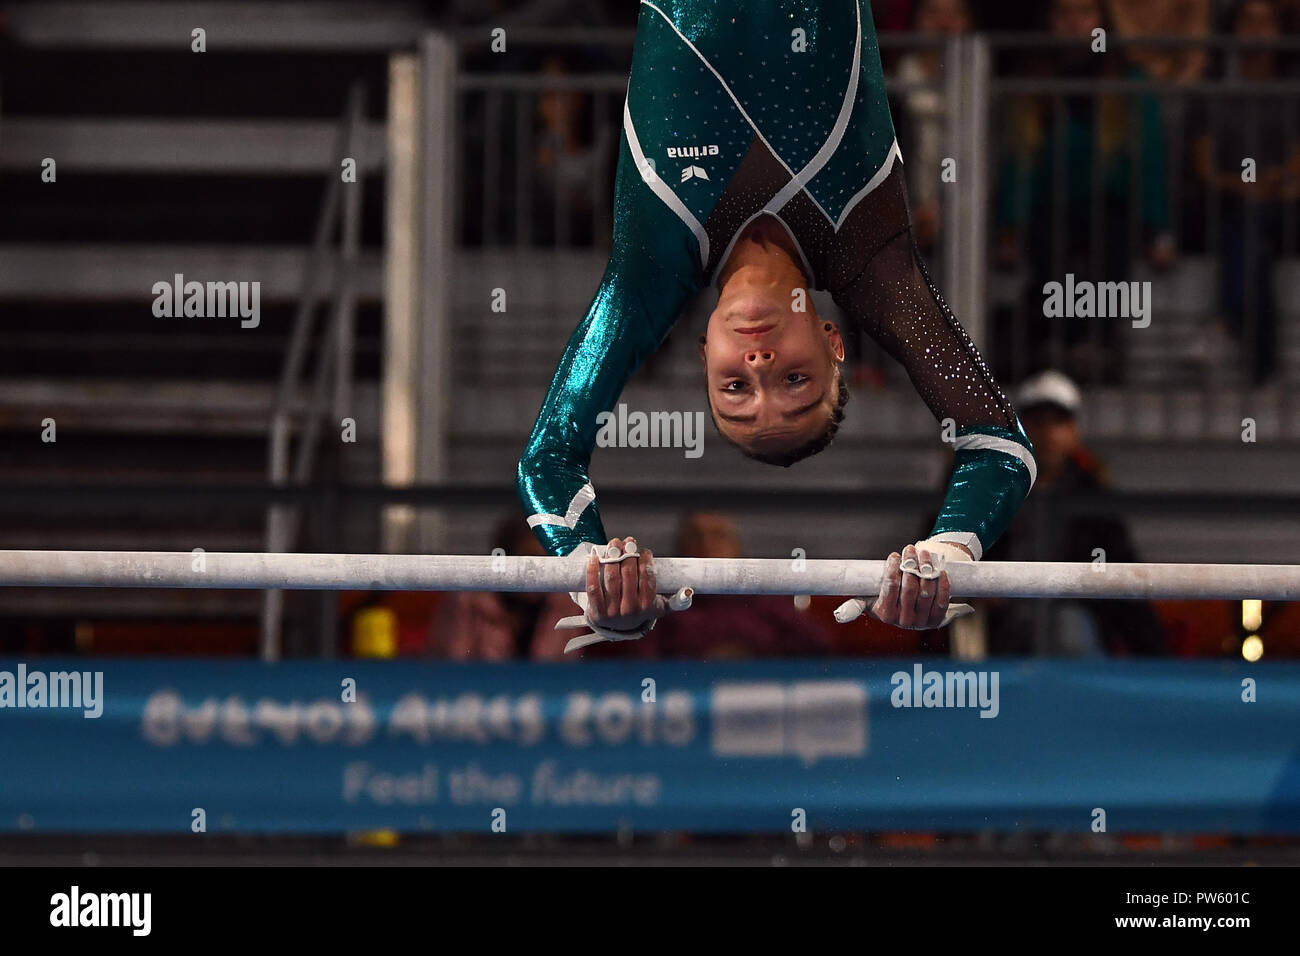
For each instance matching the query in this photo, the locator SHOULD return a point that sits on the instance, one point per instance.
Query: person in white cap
(1053, 428)
(1049, 404)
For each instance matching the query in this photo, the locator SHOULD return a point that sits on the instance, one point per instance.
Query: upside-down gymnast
(784, 176)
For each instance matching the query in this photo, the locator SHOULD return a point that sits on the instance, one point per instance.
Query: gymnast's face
(771, 370)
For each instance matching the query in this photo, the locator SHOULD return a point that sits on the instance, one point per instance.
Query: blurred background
(383, 399)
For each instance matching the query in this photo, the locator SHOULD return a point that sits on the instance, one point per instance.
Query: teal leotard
(742, 108)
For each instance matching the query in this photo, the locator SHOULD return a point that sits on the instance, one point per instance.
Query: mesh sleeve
(894, 300)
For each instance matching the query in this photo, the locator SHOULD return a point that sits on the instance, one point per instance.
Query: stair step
(131, 538)
(212, 146)
(68, 272)
(128, 602)
(158, 408)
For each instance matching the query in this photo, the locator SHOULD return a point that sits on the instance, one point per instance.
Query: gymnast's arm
(893, 299)
(653, 270)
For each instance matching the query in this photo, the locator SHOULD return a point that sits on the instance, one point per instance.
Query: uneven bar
(405, 572)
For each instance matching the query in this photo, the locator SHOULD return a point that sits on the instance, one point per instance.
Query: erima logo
(691, 152)
(693, 172)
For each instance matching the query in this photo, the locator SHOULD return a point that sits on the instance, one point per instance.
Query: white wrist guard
(940, 552)
(599, 632)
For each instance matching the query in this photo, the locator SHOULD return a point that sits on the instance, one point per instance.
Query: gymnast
(758, 154)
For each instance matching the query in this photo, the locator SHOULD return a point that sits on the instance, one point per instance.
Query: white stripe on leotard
(800, 182)
(585, 496)
(895, 155)
(1007, 447)
(661, 189)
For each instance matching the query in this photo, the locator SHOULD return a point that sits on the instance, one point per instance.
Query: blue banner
(329, 747)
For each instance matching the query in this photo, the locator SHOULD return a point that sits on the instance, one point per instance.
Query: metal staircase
(142, 193)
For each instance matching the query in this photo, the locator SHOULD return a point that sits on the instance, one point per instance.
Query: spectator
(726, 627)
(483, 626)
(1164, 18)
(1063, 150)
(551, 167)
(924, 114)
(1049, 405)
(569, 160)
(1250, 213)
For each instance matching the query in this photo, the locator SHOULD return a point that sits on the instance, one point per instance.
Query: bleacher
(212, 165)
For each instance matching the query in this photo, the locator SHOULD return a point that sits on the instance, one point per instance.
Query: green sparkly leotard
(742, 108)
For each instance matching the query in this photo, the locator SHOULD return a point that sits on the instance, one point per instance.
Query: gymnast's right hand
(914, 589)
(621, 602)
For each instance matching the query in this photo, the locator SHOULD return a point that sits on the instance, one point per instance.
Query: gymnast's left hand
(914, 590)
(621, 602)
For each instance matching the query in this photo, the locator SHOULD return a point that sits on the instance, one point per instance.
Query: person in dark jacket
(1049, 404)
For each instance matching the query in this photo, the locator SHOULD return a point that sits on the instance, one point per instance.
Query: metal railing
(529, 182)
(1116, 178)
(334, 353)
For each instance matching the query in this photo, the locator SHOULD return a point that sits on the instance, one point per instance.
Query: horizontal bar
(404, 572)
